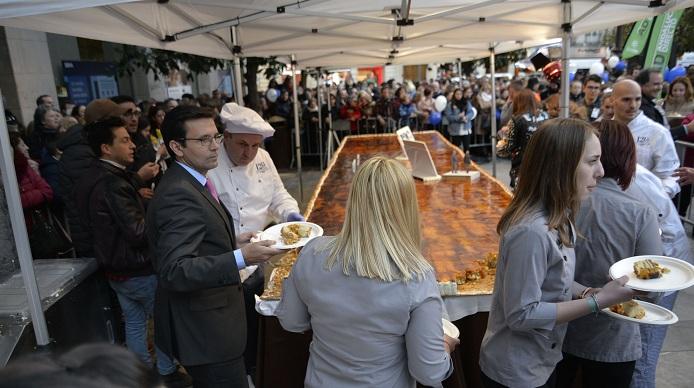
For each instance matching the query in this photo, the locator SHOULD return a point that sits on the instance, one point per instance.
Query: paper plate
(274, 233)
(681, 274)
(655, 315)
(450, 329)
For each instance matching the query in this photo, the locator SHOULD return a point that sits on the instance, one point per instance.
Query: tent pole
(19, 230)
(238, 82)
(319, 95)
(332, 136)
(492, 65)
(297, 133)
(565, 49)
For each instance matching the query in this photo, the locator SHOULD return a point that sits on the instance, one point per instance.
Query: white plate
(450, 329)
(681, 274)
(274, 233)
(655, 315)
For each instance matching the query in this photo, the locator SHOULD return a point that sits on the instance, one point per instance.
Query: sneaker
(177, 379)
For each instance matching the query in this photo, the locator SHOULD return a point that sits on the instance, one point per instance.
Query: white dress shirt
(253, 194)
(655, 150)
(648, 189)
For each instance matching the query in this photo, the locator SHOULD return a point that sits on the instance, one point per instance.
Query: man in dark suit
(199, 310)
(651, 82)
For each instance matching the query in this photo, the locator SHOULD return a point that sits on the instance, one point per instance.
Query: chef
(250, 188)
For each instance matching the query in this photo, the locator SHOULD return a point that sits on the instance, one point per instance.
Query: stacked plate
(678, 275)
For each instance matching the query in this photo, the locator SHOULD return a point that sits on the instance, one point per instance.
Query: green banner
(637, 38)
(661, 40)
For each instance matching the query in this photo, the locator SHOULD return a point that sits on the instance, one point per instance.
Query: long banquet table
(458, 226)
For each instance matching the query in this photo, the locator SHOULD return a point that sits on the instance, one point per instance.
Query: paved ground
(676, 365)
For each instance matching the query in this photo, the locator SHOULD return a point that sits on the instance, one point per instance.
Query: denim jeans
(652, 338)
(136, 298)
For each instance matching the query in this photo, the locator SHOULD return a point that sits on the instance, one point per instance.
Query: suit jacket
(652, 111)
(199, 311)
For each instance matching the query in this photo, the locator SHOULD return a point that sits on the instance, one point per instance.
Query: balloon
(440, 103)
(410, 87)
(605, 76)
(677, 71)
(272, 95)
(620, 66)
(474, 113)
(596, 68)
(612, 62)
(571, 77)
(435, 118)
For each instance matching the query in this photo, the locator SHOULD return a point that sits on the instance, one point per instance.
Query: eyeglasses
(206, 141)
(132, 113)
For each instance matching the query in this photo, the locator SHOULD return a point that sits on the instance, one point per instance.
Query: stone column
(26, 71)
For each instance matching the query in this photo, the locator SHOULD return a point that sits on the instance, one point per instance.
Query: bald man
(655, 149)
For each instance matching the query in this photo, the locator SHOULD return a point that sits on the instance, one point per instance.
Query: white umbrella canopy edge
(202, 26)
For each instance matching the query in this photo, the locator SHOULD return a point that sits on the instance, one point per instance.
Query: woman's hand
(614, 292)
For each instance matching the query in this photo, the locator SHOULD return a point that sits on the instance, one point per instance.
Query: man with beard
(592, 97)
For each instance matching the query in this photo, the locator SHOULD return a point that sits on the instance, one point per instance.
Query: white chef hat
(238, 119)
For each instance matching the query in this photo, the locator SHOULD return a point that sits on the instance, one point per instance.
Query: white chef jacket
(649, 190)
(253, 194)
(655, 150)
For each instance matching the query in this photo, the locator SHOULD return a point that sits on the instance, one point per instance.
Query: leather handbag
(48, 238)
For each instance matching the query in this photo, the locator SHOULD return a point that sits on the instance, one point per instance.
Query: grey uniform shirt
(614, 225)
(535, 271)
(366, 332)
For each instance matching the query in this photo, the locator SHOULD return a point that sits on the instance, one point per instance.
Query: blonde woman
(369, 296)
(532, 300)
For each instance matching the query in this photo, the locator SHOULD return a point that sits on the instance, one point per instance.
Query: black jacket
(144, 153)
(76, 160)
(199, 312)
(111, 207)
(649, 109)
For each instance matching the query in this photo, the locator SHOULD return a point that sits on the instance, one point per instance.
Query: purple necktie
(210, 187)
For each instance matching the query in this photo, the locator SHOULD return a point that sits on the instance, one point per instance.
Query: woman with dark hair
(459, 113)
(34, 191)
(78, 113)
(525, 120)
(46, 130)
(614, 225)
(156, 115)
(532, 299)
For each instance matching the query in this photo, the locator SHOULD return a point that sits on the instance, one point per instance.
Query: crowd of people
(117, 183)
(169, 201)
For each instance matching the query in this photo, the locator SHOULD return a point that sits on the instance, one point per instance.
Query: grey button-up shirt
(535, 271)
(614, 225)
(366, 332)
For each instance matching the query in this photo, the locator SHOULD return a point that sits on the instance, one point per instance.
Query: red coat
(34, 192)
(352, 114)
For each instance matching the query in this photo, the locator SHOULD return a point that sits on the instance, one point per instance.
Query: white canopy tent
(327, 32)
(317, 33)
